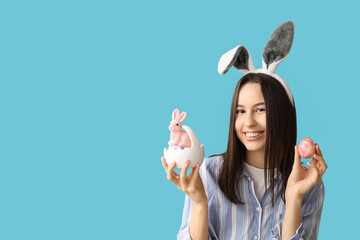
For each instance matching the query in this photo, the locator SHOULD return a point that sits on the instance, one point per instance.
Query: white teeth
(252, 134)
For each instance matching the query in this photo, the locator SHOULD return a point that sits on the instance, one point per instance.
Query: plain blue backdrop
(86, 94)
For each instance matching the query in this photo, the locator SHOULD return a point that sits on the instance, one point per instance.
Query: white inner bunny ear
(278, 47)
(238, 57)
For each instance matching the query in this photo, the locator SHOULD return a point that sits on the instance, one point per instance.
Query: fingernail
(173, 163)
(187, 162)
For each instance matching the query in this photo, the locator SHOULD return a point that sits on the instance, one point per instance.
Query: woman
(257, 189)
(258, 118)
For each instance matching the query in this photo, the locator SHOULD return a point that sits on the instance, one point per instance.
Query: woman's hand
(191, 185)
(301, 179)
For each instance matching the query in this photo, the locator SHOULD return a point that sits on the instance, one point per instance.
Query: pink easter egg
(307, 148)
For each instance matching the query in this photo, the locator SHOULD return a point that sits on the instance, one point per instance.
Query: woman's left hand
(301, 179)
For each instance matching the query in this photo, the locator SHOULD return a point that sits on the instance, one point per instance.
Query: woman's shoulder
(209, 172)
(212, 164)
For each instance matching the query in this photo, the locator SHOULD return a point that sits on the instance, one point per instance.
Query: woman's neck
(255, 158)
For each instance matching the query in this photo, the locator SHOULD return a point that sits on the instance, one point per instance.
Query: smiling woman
(260, 105)
(248, 185)
(241, 193)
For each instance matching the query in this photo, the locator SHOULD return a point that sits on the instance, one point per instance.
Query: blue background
(86, 94)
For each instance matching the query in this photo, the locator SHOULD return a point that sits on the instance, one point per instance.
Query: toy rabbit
(178, 138)
(183, 145)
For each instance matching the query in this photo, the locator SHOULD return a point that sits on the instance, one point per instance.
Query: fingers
(297, 158)
(321, 162)
(171, 175)
(191, 174)
(314, 165)
(183, 178)
(318, 155)
(317, 150)
(195, 173)
(163, 161)
(182, 181)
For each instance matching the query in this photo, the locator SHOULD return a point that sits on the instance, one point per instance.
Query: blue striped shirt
(256, 219)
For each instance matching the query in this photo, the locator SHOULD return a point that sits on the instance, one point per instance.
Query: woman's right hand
(191, 185)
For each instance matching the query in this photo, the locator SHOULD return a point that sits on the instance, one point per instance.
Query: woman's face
(250, 119)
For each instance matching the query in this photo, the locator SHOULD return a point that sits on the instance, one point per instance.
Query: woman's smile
(253, 135)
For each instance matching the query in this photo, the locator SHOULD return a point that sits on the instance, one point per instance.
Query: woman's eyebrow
(257, 104)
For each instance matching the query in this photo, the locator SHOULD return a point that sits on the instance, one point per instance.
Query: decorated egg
(307, 148)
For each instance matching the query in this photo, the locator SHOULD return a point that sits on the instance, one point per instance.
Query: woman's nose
(250, 120)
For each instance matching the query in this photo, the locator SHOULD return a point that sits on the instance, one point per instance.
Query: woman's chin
(255, 148)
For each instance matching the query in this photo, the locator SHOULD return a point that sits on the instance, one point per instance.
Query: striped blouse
(255, 219)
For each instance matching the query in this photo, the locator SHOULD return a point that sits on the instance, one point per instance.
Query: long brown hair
(280, 139)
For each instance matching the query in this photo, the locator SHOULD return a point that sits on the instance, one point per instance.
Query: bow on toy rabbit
(178, 137)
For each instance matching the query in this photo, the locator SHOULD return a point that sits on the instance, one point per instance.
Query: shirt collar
(245, 173)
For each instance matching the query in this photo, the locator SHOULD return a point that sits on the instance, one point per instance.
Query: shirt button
(257, 209)
(255, 237)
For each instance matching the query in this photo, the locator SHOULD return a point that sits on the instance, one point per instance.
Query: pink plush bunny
(178, 137)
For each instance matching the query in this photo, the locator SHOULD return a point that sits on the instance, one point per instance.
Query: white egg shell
(195, 153)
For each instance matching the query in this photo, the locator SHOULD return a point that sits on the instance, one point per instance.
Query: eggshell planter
(195, 153)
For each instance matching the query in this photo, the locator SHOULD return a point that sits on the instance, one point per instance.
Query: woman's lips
(255, 137)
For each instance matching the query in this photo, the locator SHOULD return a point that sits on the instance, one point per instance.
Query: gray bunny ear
(278, 46)
(238, 57)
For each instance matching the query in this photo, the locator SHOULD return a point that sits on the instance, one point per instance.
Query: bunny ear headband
(275, 51)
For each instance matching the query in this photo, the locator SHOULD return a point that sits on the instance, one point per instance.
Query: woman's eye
(240, 111)
(261, 110)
